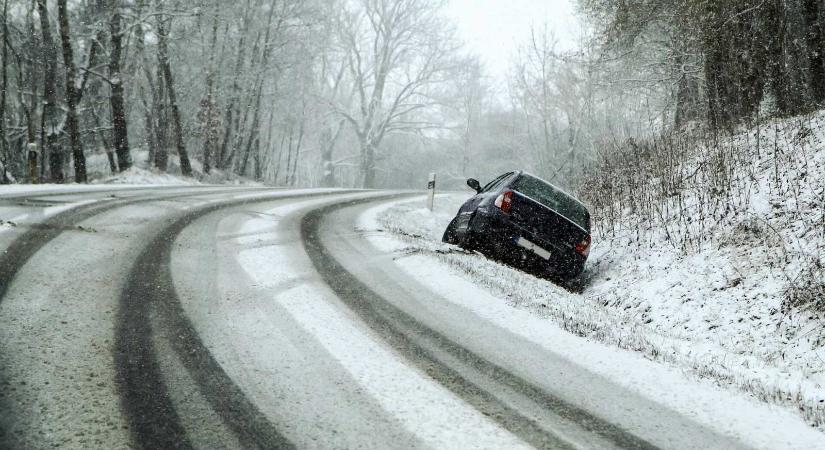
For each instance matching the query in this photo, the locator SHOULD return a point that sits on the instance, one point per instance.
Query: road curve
(152, 417)
(423, 347)
(253, 318)
(487, 366)
(52, 257)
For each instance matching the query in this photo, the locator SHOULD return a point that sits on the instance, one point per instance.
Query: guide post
(431, 192)
(31, 159)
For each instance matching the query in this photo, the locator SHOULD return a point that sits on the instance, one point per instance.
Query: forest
(377, 93)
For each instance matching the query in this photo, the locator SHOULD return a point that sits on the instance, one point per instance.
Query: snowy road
(207, 317)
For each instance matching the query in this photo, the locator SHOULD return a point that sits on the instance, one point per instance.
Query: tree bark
(50, 129)
(163, 54)
(3, 89)
(151, 116)
(330, 139)
(161, 122)
(71, 94)
(210, 133)
(816, 48)
(120, 132)
(368, 164)
(28, 77)
(776, 71)
(253, 131)
(222, 158)
(298, 146)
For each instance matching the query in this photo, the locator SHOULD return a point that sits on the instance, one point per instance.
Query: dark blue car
(526, 221)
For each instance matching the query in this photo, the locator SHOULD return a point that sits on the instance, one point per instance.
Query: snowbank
(715, 314)
(142, 172)
(137, 175)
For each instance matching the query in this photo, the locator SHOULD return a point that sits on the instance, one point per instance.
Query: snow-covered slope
(726, 284)
(726, 256)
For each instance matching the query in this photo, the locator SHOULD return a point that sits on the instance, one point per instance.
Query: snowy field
(713, 315)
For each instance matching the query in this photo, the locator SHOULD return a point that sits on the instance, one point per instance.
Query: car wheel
(468, 241)
(449, 234)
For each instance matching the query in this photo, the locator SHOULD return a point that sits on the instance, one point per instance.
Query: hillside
(710, 262)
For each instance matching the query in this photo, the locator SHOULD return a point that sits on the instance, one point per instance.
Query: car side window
(496, 183)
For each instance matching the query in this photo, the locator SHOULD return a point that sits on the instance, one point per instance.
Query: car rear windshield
(554, 199)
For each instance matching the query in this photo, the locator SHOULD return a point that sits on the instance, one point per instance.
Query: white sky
(494, 29)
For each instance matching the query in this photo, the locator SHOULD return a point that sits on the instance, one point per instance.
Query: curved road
(210, 317)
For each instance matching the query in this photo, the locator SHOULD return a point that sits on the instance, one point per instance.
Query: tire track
(23, 196)
(420, 343)
(149, 293)
(40, 234)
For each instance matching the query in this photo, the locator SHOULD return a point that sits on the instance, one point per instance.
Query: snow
(45, 189)
(420, 404)
(290, 300)
(10, 224)
(139, 176)
(732, 291)
(141, 173)
(56, 334)
(679, 315)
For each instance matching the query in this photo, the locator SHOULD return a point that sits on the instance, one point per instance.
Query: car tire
(468, 241)
(449, 234)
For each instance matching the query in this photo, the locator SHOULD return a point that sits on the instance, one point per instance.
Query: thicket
(744, 79)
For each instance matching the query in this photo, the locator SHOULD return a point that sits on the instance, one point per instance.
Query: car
(526, 221)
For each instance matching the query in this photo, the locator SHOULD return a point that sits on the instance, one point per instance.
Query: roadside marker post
(31, 159)
(431, 192)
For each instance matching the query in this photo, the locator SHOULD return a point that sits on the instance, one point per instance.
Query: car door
(471, 206)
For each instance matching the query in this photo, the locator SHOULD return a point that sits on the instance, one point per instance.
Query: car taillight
(583, 247)
(505, 201)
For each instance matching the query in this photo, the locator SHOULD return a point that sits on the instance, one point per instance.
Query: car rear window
(554, 199)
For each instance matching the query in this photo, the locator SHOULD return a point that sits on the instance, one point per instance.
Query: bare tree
(71, 94)
(51, 119)
(210, 121)
(397, 53)
(535, 77)
(166, 68)
(4, 151)
(119, 125)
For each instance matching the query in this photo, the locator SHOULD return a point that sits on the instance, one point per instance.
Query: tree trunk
(71, 94)
(329, 141)
(368, 164)
(288, 155)
(256, 96)
(26, 74)
(3, 89)
(328, 176)
(50, 129)
(232, 115)
(152, 117)
(816, 52)
(298, 146)
(163, 53)
(778, 80)
(253, 131)
(210, 133)
(161, 124)
(119, 127)
(222, 159)
(242, 117)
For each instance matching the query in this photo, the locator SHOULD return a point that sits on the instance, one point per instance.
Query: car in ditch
(527, 222)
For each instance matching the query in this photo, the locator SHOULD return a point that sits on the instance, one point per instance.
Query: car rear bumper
(495, 232)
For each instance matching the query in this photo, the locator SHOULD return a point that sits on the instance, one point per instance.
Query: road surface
(214, 317)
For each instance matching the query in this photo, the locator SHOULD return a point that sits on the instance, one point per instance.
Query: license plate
(524, 243)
